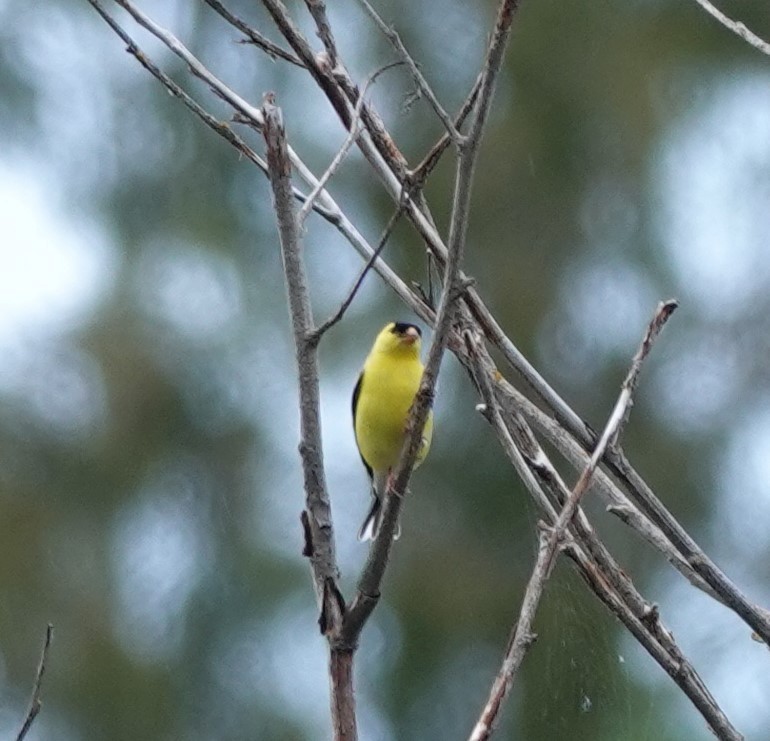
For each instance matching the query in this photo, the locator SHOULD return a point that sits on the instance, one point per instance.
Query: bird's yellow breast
(388, 387)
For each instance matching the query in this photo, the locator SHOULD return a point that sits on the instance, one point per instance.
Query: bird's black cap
(402, 327)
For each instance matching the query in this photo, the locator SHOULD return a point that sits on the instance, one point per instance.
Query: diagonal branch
(254, 37)
(617, 419)
(330, 80)
(344, 149)
(218, 126)
(736, 27)
(317, 9)
(422, 84)
(603, 576)
(558, 535)
(345, 305)
(491, 69)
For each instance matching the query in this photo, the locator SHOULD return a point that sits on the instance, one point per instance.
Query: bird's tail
(371, 527)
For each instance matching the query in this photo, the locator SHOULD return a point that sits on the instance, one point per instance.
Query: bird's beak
(411, 336)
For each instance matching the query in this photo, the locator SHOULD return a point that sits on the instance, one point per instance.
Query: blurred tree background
(149, 482)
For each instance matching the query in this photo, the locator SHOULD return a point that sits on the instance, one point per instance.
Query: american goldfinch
(381, 401)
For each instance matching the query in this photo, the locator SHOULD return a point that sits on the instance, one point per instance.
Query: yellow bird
(381, 401)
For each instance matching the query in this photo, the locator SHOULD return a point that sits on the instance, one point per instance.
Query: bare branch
(736, 27)
(513, 403)
(344, 149)
(342, 94)
(35, 703)
(619, 414)
(317, 9)
(641, 619)
(453, 285)
(254, 37)
(518, 647)
(337, 316)
(422, 84)
(279, 166)
(547, 554)
(195, 65)
(616, 462)
(319, 531)
(420, 173)
(219, 127)
(609, 583)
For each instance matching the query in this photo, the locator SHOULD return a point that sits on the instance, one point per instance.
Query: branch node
(332, 609)
(307, 532)
(651, 616)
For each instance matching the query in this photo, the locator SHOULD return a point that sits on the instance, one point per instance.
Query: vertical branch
(454, 284)
(317, 520)
(279, 168)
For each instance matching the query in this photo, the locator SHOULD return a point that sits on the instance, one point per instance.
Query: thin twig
(736, 27)
(491, 69)
(336, 84)
(343, 94)
(513, 403)
(344, 149)
(253, 36)
(35, 703)
(218, 126)
(248, 111)
(337, 316)
(196, 66)
(422, 84)
(422, 171)
(328, 210)
(619, 415)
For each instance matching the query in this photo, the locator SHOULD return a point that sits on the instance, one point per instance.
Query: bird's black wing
(356, 394)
